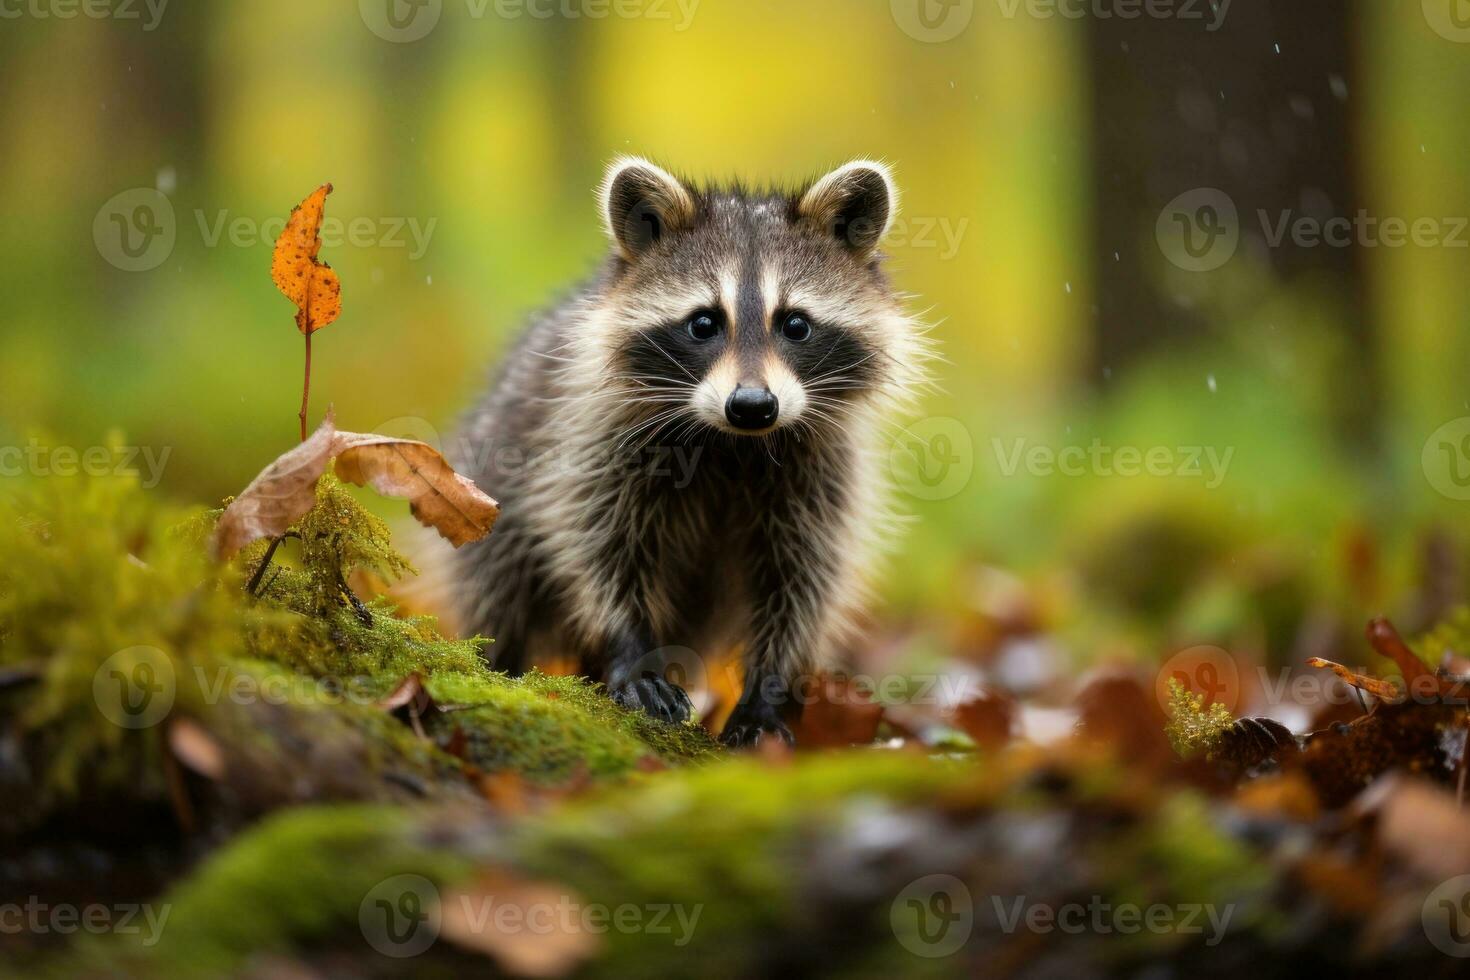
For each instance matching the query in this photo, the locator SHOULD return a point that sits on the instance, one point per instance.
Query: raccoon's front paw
(750, 725)
(655, 697)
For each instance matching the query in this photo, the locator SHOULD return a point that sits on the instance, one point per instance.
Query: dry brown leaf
(286, 489)
(277, 498)
(521, 924)
(840, 713)
(1383, 690)
(306, 280)
(1421, 823)
(987, 718)
(438, 496)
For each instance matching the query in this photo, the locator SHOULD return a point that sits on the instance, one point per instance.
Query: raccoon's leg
(793, 570)
(635, 685)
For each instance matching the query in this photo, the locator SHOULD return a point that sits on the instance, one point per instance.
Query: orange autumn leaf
(304, 279)
(1381, 689)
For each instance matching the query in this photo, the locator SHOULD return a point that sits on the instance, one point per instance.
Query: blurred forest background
(1038, 154)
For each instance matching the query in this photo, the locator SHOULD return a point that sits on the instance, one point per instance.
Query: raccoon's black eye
(797, 328)
(703, 326)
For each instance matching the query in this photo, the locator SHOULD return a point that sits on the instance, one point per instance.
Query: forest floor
(210, 772)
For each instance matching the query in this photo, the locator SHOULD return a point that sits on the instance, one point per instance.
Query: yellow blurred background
(1038, 154)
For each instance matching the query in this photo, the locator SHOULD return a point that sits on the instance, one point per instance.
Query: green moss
(296, 881)
(803, 858)
(1193, 729)
(108, 597)
(551, 728)
(1450, 636)
(95, 592)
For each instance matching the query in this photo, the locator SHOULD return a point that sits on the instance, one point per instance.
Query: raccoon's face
(749, 313)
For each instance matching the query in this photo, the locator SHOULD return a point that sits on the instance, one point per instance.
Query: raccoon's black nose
(752, 408)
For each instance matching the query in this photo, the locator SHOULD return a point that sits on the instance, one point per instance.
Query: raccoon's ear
(854, 203)
(641, 203)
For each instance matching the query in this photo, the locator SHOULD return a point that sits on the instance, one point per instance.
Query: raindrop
(1210, 381)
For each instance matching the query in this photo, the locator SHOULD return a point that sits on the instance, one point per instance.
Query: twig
(364, 614)
(306, 386)
(265, 562)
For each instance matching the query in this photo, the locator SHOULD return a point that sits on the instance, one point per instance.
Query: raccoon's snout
(752, 408)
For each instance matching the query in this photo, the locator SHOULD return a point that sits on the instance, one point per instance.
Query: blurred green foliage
(465, 162)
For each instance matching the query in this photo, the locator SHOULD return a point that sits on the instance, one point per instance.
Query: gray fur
(630, 525)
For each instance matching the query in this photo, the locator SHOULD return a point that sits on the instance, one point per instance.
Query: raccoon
(688, 448)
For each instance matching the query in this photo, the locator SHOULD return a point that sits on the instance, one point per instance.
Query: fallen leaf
(306, 280)
(438, 496)
(522, 924)
(1115, 708)
(1421, 823)
(840, 713)
(1287, 794)
(277, 498)
(987, 718)
(1386, 640)
(1383, 690)
(286, 489)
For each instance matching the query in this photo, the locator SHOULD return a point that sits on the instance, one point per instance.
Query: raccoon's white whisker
(650, 425)
(847, 367)
(552, 357)
(672, 360)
